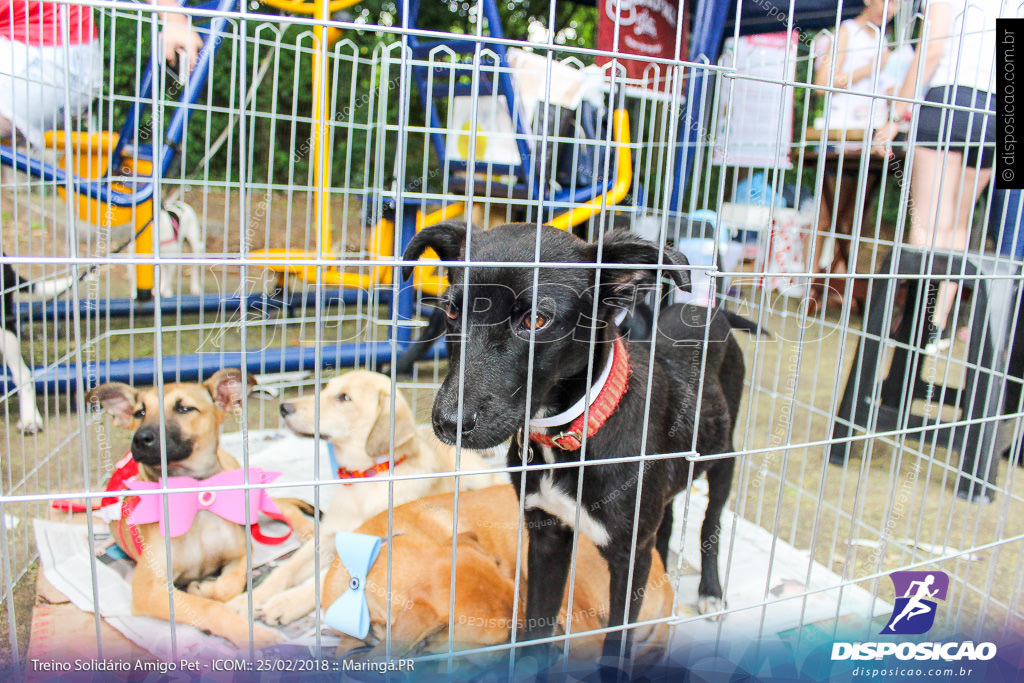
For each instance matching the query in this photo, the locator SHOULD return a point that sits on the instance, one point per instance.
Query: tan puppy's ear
(379, 440)
(117, 399)
(228, 387)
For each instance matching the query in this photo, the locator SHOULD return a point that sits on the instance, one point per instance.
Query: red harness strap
(258, 535)
(134, 541)
(125, 469)
(175, 233)
(600, 410)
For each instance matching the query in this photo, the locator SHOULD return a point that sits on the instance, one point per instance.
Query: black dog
(489, 346)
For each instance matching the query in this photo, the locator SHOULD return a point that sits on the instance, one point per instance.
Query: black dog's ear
(623, 248)
(446, 239)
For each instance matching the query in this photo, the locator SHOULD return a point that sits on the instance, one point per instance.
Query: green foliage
(277, 149)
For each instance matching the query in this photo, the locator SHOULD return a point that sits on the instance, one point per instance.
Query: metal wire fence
(867, 442)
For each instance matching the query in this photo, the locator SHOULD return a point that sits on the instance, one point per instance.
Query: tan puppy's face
(193, 414)
(355, 416)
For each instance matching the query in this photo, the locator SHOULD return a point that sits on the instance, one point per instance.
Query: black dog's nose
(446, 425)
(287, 409)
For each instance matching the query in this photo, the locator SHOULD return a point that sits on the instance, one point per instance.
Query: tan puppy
(421, 547)
(193, 414)
(355, 417)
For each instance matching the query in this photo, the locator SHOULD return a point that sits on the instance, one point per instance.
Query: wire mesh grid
(310, 161)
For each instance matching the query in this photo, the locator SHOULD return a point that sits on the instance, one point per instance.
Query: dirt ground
(892, 506)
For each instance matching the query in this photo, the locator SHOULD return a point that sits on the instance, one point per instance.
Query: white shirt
(852, 108)
(969, 54)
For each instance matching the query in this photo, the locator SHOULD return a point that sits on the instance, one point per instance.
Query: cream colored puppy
(355, 419)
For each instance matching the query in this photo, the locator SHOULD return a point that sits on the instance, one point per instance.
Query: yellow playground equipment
(427, 279)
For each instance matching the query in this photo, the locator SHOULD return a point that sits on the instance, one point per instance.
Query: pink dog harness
(185, 505)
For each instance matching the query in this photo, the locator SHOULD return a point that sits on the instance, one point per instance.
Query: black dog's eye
(344, 397)
(182, 409)
(140, 413)
(451, 310)
(537, 323)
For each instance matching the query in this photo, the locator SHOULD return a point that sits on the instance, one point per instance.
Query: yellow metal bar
(144, 245)
(429, 279)
(623, 178)
(105, 141)
(321, 136)
(434, 217)
(303, 7)
(382, 242)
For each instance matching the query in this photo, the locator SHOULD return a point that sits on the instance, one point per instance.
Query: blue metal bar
(56, 311)
(191, 367)
(406, 303)
(490, 8)
(96, 189)
(196, 82)
(708, 32)
(490, 11)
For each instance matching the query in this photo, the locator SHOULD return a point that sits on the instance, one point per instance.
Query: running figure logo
(914, 613)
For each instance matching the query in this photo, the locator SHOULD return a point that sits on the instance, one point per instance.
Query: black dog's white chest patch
(556, 502)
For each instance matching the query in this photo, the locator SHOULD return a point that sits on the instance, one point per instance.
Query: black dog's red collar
(600, 410)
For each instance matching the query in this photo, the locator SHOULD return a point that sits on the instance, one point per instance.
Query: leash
(124, 245)
(86, 273)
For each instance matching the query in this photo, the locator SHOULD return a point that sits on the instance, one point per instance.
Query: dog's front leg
(617, 643)
(228, 585)
(292, 604)
(294, 571)
(548, 559)
(149, 599)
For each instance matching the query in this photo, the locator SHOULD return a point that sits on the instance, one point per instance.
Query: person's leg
(969, 183)
(932, 212)
(936, 181)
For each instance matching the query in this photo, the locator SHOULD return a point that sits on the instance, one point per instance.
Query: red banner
(647, 29)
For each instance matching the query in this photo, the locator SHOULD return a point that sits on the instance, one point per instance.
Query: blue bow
(350, 614)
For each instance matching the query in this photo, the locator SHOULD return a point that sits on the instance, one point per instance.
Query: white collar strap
(577, 408)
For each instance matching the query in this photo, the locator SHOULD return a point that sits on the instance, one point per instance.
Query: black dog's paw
(712, 606)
